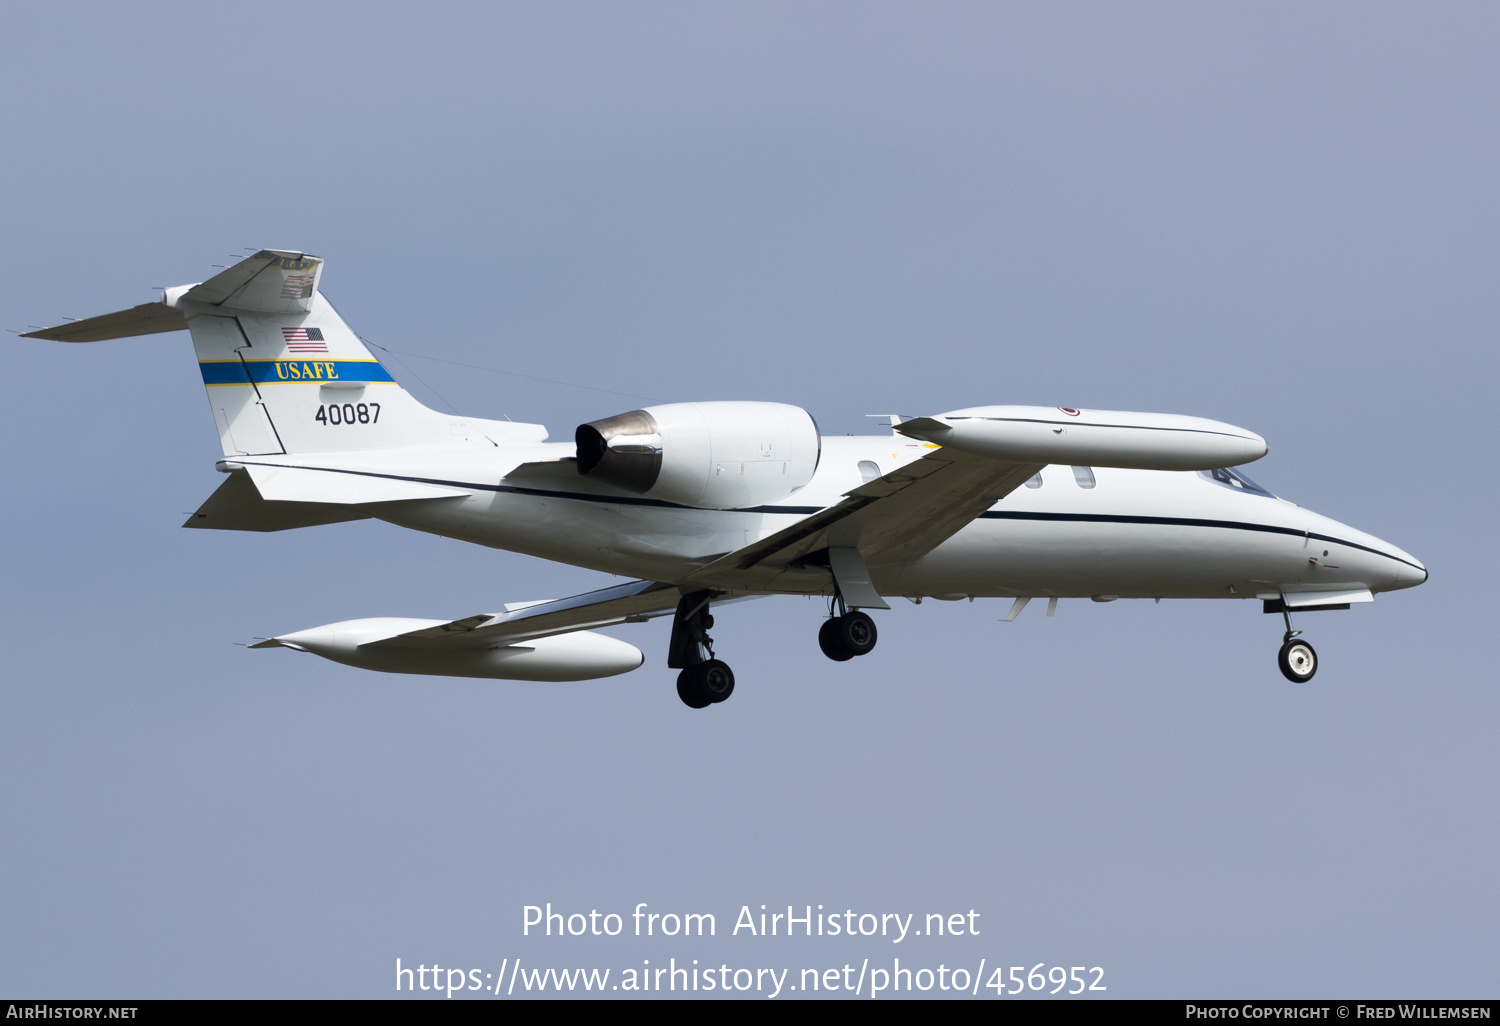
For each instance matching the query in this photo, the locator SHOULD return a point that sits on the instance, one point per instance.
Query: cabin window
(869, 470)
(1232, 477)
(1034, 481)
(1084, 476)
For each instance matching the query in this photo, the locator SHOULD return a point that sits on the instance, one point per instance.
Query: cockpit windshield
(1233, 477)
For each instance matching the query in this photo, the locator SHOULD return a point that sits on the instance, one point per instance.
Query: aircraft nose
(1411, 574)
(1405, 570)
(1374, 561)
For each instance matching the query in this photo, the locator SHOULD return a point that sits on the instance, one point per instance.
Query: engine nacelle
(725, 455)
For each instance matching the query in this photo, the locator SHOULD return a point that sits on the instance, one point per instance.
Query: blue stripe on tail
(289, 372)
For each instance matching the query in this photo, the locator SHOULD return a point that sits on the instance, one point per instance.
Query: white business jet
(704, 503)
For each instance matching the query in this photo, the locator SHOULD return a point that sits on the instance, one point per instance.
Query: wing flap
(893, 519)
(632, 602)
(445, 630)
(925, 512)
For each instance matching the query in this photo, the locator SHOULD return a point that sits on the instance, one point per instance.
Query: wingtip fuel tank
(1099, 438)
(581, 655)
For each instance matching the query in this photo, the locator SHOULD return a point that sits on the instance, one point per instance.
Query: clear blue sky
(1280, 215)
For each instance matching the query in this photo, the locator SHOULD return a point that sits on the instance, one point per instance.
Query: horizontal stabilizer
(236, 505)
(146, 319)
(340, 487)
(272, 281)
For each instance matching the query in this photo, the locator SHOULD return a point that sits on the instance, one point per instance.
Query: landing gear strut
(1297, 659)
(847, 635)
(704, 680)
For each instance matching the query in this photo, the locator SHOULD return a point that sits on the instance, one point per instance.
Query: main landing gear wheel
(847, 636)
(828, 642)
(704, 680)
(1297, 660)
(706, 683)
(688, 692)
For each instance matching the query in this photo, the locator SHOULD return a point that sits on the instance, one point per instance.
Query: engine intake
(721, 455)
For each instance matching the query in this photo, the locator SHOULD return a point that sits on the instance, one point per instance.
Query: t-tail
(283, 372)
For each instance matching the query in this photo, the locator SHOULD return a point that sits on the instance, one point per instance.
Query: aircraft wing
(634, 602)
(893, 519)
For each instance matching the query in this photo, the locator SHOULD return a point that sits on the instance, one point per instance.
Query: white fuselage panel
(1135, 533)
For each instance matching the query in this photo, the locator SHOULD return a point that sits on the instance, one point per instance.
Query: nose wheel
(1297, 659)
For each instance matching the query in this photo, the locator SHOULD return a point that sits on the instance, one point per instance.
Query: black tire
(716, 679)
(855, 633)
(706, 683)
(828, 641)
(689, 692)
(1297, 660)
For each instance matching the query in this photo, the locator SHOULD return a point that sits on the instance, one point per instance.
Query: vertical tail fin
(283, 372)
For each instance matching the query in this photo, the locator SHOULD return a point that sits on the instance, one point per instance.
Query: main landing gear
(1297, 659)
(850, 634)
(704, 680)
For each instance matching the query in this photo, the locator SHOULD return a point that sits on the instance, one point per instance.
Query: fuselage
(709, 501)
(1096, 532)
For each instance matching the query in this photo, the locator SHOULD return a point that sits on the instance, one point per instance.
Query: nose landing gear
(704, 680)
(1297, 659)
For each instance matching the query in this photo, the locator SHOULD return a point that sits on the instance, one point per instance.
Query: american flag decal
(298, 286)
(304, 340)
